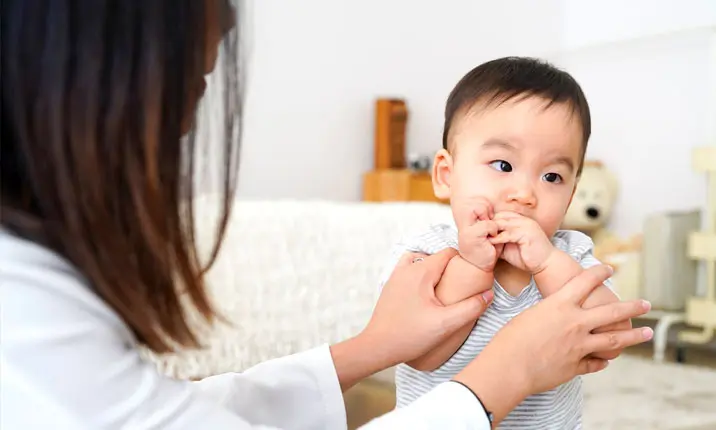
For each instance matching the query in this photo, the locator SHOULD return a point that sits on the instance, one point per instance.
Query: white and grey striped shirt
(560, 408)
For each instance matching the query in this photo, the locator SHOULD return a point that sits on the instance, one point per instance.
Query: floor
(367, 400)
(694, 355)
(373, 398)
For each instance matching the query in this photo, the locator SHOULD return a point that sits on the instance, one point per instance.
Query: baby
(515, 135)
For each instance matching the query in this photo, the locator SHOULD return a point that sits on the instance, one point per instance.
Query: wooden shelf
(702, 246)
(704, 159)
(701, 312)
(398, 185)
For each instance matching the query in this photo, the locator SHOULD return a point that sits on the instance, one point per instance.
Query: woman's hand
(408, 320)
(551, 343)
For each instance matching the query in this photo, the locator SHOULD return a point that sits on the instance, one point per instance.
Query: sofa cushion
(293, 275)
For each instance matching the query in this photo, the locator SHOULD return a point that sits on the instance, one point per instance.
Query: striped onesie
(560, 408)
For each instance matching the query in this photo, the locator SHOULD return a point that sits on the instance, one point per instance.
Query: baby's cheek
(551, 221)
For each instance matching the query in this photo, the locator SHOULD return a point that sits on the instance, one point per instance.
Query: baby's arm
(460, 280)
(560, 268)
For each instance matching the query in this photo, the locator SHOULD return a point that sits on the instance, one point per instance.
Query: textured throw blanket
(293, 275)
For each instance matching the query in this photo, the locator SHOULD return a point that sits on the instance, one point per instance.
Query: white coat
(69, 362)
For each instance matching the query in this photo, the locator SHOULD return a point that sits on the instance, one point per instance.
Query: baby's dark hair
(500, 80)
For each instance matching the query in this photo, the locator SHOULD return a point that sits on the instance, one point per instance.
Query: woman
(99, 256)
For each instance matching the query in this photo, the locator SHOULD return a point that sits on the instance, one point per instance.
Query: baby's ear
(442, 169)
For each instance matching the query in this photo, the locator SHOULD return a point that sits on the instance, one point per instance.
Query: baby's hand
(474, 238)
(526, 246)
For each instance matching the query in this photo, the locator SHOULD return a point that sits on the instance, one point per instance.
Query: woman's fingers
(410, 257)
(618, 339)
(605, 315)
(591, 365)
(466, 311)
(579, 288)
(435, 264)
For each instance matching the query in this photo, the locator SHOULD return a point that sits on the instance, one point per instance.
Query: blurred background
(323, 164)
(648, 68)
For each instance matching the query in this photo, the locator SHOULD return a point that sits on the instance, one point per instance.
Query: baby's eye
(553, 177)
(501, 165)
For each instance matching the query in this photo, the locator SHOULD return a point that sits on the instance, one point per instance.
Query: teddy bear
(589, 212)
(591, 208)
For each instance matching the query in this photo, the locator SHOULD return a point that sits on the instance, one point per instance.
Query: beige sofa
(293, 275)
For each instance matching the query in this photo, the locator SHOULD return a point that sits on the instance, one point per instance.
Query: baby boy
(514, 140)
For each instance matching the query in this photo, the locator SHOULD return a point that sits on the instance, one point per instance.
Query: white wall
(589, 23)
(648, 68)
(318, 65)
(649, 106)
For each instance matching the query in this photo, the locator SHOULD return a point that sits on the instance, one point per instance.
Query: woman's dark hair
(96, 164)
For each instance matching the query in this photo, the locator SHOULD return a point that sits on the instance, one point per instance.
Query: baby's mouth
(517, 211)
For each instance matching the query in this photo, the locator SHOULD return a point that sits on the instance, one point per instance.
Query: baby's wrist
(557, 270)
(551, 259)
(460, 280)
(483, 268)
(487, 269)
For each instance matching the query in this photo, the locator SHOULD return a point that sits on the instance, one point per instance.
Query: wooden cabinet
(391, 116)
(399, 185)
(390, 181)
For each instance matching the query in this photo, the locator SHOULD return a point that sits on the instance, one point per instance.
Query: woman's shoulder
(64, 350)
(38, 283)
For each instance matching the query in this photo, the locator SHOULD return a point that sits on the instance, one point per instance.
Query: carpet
(637, 393)
(632, 393)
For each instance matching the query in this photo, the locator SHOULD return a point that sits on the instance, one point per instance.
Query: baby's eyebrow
(498, 143)
(566, 161)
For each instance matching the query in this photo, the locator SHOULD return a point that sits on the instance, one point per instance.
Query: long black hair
(98, 144)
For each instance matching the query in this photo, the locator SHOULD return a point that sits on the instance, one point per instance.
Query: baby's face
(518, 156)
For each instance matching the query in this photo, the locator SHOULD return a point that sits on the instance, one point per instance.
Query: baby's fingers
(482, 211)
(507, 224)
(505, 236)
(485, 229)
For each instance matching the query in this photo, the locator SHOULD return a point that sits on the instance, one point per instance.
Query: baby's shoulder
(432, 239)
(573, 242)
(429, 240)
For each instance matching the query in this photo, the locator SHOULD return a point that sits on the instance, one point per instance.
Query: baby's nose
(523, 195)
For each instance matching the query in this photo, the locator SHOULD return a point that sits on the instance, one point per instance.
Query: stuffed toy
(589, 212)
(591, 209)
(592, 203)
